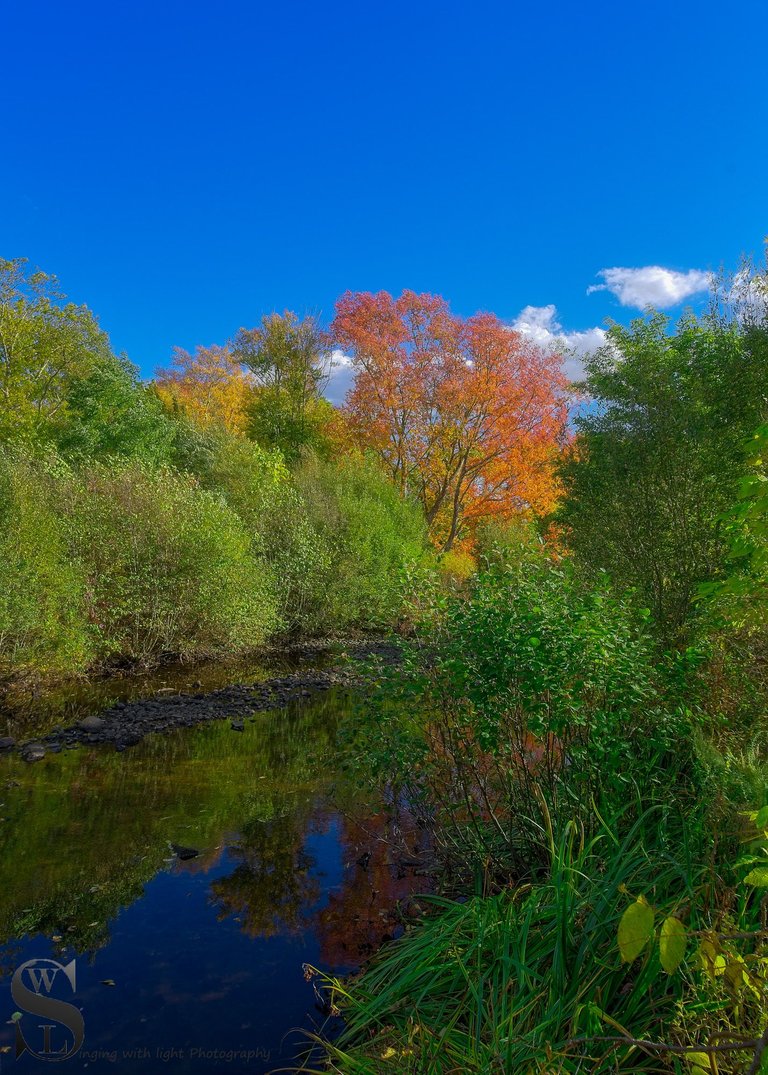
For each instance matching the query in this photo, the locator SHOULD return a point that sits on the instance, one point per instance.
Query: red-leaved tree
(465, 414)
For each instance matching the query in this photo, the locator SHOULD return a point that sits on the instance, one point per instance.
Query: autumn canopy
(465, 414)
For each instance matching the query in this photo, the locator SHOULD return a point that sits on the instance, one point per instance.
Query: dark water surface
(197, 965)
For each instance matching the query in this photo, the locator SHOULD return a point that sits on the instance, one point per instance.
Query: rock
(6, 743)
(33, 752)
(238, 726)
(92, 724)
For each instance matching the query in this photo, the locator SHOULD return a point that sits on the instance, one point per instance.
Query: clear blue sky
(185, 167)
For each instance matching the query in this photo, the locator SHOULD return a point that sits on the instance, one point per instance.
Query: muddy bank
(126, 723)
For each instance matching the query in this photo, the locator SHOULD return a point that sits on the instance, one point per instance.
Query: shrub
(42, 627)
(257, 485)
(169, 567)
(109, 414)
(535, 683)
(507, 540)
(457, 566)
(370, 534)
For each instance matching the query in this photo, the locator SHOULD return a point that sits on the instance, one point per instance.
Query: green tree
(660, 453)
(290, 361)
(45, 344)
(111, 414)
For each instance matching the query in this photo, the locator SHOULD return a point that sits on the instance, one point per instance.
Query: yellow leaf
(734, 974)
(712, 960)
(672, 944)
(635, 929)
(699, 1062)
(757, 877)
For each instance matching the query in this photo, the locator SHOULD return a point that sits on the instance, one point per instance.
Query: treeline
(137, 522)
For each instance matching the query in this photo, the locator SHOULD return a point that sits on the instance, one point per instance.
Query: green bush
(42, 628)
(370, 535)
(257, 485)
(535, 686)
(109, 414)
(169, 568)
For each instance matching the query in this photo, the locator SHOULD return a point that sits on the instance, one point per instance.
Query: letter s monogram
(57, 1011)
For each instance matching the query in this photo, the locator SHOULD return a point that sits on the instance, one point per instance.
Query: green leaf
(758, 877)
(761, 820)
(635, 929)
(672, 944)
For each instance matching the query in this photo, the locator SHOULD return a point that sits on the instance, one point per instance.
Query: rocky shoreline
(126, 723)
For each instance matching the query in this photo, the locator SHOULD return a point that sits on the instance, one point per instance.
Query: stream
(190, 878)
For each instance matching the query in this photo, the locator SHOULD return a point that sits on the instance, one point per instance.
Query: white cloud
(340, 377)
(652, 285)
(540, 324)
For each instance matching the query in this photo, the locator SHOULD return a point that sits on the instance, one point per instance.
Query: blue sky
(185, 167)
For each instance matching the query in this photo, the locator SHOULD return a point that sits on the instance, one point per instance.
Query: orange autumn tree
(210, 386)
(464, 414)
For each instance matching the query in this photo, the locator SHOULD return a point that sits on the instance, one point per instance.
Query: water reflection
(203, 954)
(27, 711)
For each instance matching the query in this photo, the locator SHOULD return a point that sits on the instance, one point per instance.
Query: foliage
(169, 568)
(659, 455)
(507, 541)
(372, 536)
(532, 979)
(465, 416)
(258, 486)
(741, 593)
(110, 414)
(41, 589)
(45, 346)
(732, 966)
(534, 683)
(208, 386)
(289, 360)
(457, 566)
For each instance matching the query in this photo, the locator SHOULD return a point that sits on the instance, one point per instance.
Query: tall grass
(531, 979)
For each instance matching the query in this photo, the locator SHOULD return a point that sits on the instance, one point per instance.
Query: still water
(189, 965)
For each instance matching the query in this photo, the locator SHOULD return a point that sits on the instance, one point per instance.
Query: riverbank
(125, 722)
